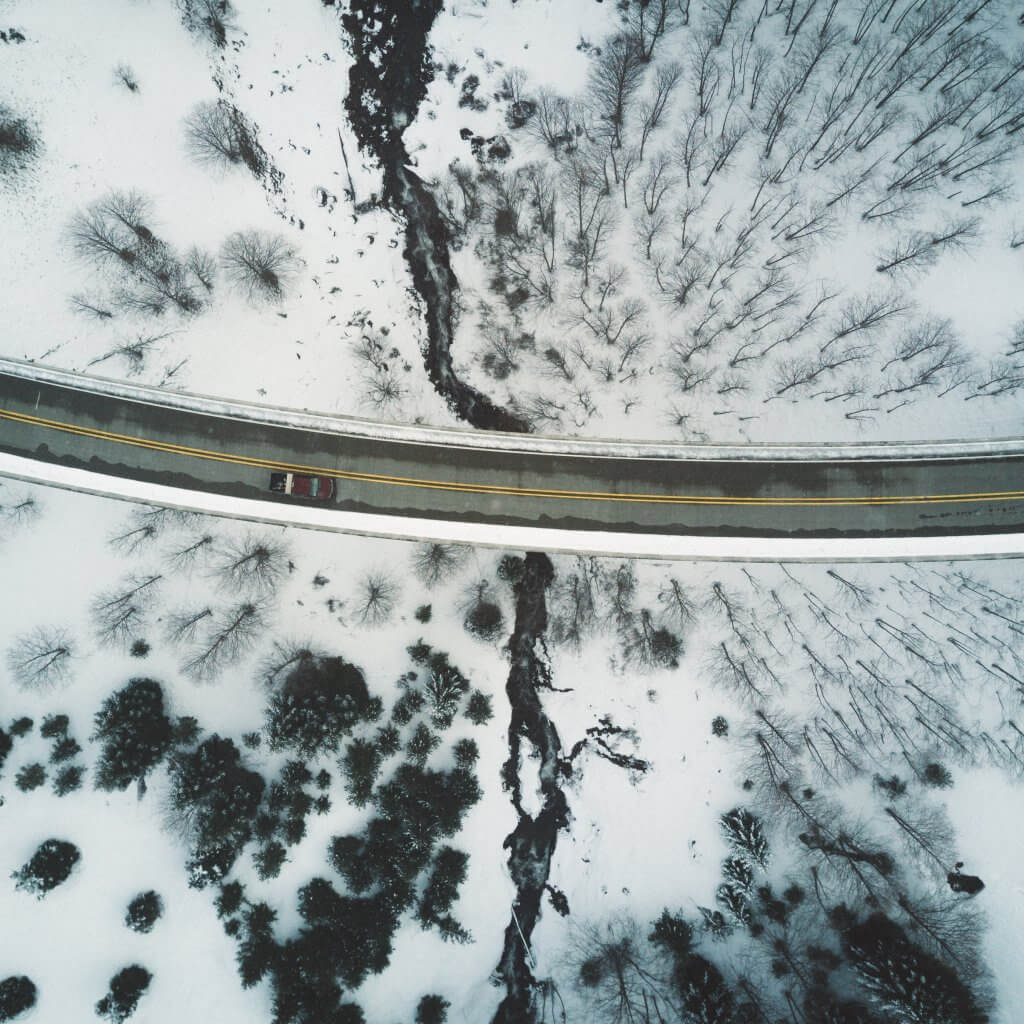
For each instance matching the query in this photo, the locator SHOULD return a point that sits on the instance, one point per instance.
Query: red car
(295, 485)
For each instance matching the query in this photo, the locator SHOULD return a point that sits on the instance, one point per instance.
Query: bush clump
(126, 989)
(30, 776)
(68, 779)
(144, 911)
(49, 866)
(478, 709)
(17, 994)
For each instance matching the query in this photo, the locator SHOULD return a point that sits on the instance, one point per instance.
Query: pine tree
(442, 890)
(703, 993)
(744, 833)
(135, 732)
(903, 980)
(360, 766)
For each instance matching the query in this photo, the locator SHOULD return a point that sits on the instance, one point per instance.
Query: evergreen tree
(421, 744)
(257, 950)
(319, 704)
(126, 989)
(673, 934)
(144, 911)
(49, 866)
(903, 980)
(360, 766)
(30, 776)
(703, 993)
(135, 733)
(215, 798)
(478, 709)
(269, 859)
(17, 994)
(68, 779)
(744, 832)
(448, 872)
(6, 743)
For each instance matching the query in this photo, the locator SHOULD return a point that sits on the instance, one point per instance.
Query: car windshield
(314, 487)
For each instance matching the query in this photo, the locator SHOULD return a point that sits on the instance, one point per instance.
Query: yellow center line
(498, 489)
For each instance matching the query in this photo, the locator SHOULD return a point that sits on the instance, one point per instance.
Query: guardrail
(450, 437)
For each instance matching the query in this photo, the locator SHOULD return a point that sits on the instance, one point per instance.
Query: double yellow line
(498, 489)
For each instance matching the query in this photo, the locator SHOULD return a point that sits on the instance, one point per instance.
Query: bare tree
(282, 658)
(218, 133)
(24, 508)
(434, 562)
(259, 263)
(182, 626)
(652, 109)
(375, 598)
(255, 563)
(228, 635)
(616, 77)
(41, 658)
(119, 613)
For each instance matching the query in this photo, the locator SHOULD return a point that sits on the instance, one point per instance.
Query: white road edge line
(620, 545)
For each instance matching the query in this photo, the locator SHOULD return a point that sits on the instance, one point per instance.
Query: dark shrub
(30, 776)
(17, 994)
(321, 701)
(423, 613)
(432, 1010)
(64, 749)
(54, 726)
(135, 733)
(68, 779)
(139, 648)
(719, 726)
(466, 753)
(144, 911)
(478, 709)
(126, 989)
(484, 620)
(50, 865)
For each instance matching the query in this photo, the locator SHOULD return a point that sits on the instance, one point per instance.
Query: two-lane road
(445, 474)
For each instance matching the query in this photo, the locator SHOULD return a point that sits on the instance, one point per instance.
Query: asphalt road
(183, 448)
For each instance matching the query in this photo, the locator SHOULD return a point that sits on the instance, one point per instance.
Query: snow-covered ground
(637, 841)
(678, 370)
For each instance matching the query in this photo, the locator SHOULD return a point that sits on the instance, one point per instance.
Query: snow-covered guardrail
(458, 437)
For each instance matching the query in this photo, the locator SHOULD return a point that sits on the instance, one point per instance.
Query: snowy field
(722, 221)
(679, 691)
